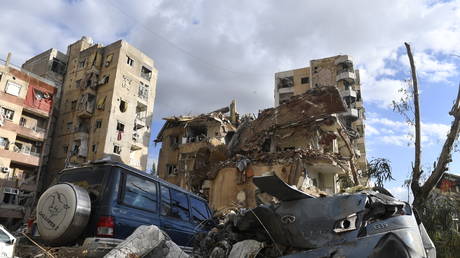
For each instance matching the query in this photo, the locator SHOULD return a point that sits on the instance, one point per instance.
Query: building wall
(112, 82)
(26, 131)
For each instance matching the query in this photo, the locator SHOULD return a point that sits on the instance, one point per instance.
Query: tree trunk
(416, 171)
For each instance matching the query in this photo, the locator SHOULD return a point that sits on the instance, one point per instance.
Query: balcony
(343, 59)
(286, 90)
(346, 74)
(349, 93)
(351, 113)
(34, 133)
(20, 156)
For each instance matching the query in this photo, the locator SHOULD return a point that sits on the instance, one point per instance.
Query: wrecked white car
(363, 224)
(7, 243)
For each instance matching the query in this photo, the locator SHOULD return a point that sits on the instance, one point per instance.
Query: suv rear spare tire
(62, 213)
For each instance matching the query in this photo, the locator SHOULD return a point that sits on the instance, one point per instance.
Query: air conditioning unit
(5, 169)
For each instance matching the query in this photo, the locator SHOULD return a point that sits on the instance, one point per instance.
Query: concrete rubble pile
(304, 141)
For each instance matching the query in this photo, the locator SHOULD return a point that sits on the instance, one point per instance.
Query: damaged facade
(27, 104)
(299, 140)
(335, 71)
(105, 107)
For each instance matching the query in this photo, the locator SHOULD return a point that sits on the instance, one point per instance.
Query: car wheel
(62, 213)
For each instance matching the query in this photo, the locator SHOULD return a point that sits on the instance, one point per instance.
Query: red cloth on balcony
(39, 98)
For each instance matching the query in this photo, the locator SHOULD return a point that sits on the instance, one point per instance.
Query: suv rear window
(140, 193)
(90, 179)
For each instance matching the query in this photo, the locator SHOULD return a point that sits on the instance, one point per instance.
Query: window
(65, 148)
(69, 125)
(165, 201)
(305, 80)
(73, 105)
(98, 123)
(286, 82)
(105, 79)
(123, 106)
(94, 148)
(146, 73)
(120, 127)
(140, 193)
(8, 113)
(143, 92)
(171, 169)
(108, 60)
(81, 64)
(179, 205)
(174, 140)
(199, 210)
(4, 142)
(22, 122)
(116, 149)
(58, 66)
(12, 88)
(129, 61)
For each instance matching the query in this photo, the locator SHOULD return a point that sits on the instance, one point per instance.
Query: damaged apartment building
(306, 140)
(27, 106)
(105, 107)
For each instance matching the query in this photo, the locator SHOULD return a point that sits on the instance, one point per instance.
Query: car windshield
(90, 178)
(4, 238)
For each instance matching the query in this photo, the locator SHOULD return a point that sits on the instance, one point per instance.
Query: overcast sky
(210, 52)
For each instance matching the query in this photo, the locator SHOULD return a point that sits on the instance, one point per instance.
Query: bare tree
(422, 191)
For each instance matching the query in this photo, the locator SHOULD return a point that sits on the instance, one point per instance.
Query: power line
(181, 49)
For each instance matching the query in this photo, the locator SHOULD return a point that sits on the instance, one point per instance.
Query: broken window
(22, 122)
(73, 105)
(173, 140)
(12, 88)
(305, 80)
(120, 127)
(286, 82)
(4, 143)
(7, 113)
(69, 125)
(116, 149)
(101, 103)
(87, 103)
(129, 61)
(82, 63)
(65, 148)
(171, 169)
(77, 83)
(104, 80)
(228, 137)
(196, 133)
(146, 73)
(123, 106)
(143, 92)
(284, 97)
(94, 148)
(58, 66)
(98, 123)
(108, 60)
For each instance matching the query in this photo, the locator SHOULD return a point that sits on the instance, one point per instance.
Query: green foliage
(438, 217)
(380, 170)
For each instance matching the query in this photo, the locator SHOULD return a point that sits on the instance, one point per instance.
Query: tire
(62, 213)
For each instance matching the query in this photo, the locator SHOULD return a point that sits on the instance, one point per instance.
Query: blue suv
(104, 202)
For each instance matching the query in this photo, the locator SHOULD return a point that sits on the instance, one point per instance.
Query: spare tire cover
(62, 213)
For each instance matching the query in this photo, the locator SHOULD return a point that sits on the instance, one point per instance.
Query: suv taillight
(105, 226)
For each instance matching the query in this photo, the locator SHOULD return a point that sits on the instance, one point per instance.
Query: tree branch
(416, 171)
(445, 156)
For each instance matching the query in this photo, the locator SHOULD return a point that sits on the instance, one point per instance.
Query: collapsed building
(216, 154)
